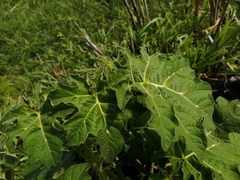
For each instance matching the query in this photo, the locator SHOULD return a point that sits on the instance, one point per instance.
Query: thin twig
(146, 9)
(197, 8)
(210, 28)
(229, 66)
(92, 46)
(212, 7)
(209, 37)
(222, 17)
(40, 59)
(217, 8)
(142, 13)
(136, 12)
(131, 14)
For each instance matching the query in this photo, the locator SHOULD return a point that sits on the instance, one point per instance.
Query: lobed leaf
(123, 94)
(192, 130)
(111, 141)
(98, 113)
(222, 158)
(37, 169)
(181, 104)
(227, 117)
(41, 140)
(189, 170)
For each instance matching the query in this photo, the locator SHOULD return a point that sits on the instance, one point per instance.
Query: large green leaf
(123, 94)
(90, 117)
(76, 172)
(41, 140)
(223, 158)
(235, 140)
(189, 170)
(181, 104)
(111, 137)
(37, 169)
(227, 117)
(111, 143)
(192, 130)
(98, 113)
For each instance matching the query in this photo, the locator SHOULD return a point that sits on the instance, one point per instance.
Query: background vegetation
(42, 40)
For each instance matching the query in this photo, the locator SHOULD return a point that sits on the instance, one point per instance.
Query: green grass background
(44, 40)
(40, 38)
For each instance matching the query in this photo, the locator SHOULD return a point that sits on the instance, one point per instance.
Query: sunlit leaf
(222, 158)
(176, 98)
(41, 140)
(227, 117)
(98, 113)
(77, 171)
(235, 140)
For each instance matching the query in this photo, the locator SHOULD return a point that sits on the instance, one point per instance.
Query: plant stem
(197, 8)
(95, 163)
(131, 15)
(222, 17)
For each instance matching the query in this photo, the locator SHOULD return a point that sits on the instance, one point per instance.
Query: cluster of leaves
(134, 117)
(151, 114)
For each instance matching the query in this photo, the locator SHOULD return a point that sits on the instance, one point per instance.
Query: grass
(44, 40)
(40, 40)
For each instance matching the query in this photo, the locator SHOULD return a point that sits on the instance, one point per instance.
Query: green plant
(132, 117)
(43, 41)
(150, 114)
(209, 42)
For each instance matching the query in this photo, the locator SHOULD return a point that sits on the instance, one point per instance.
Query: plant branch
(92, 46)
